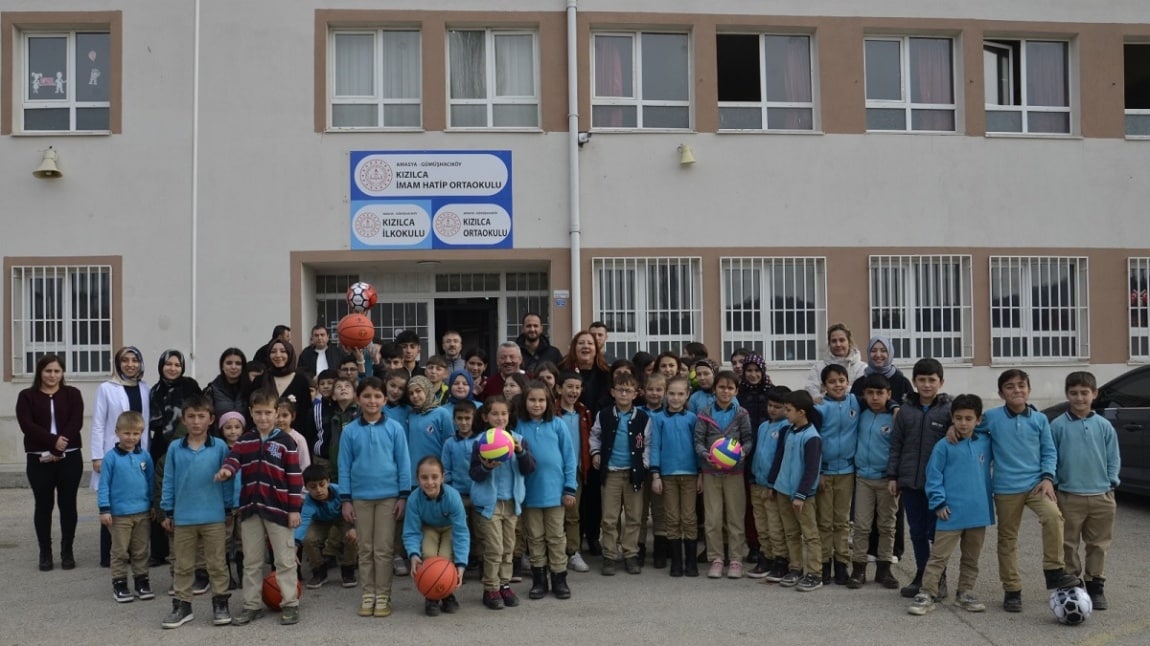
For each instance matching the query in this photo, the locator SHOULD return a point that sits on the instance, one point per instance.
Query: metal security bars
(1039, 309)
(1138, 270)
(775, 306)
(64, 310)
(651, 304)
(925, 305)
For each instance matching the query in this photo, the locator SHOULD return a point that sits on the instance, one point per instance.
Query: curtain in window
(610, 54)
(514, 65)
(1046, 85)
(354, 64)
(797, 81)
(468, 64)
(932, 81)
(401, 67)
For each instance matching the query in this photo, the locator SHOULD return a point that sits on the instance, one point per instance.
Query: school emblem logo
(430, 430)
(774, 435)
(885, 430)
(853, 413)
(374, 174)
(982, 458)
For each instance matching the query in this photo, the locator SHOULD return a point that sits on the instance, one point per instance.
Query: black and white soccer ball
(1071, 606)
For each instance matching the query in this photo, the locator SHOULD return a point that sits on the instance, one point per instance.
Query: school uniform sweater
(732, 423)
(555, 463)
(839, 431)
(673, 444)
(325, 511)
(126, 487)
(958, 477)
(795, 471)
(271, 485)
(397, 412)
(766, 447)
(700, 399)
(443, 510)
(1023, 448)
(504, 482)
(635, 427)
(374, 462)
(872, 449)
(1087, 447)
(457, 463)
(427, 431)
(190, 493)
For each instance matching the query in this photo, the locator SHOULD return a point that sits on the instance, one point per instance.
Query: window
(775, 306)
(641, 80)
(64, 310)
(375, 79)
(1137, 74)
(910, 84)
(1138, 270)
(67, 79)
(764, 82)
(651, 304)
(492, 81)
(1039, 309)
(1027, 86)
(924, 304)
(527, 292)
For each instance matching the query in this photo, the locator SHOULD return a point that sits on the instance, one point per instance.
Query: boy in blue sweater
(872, 497)
(795, 476)
(1086, 477)
(768, 521)
(435, 524)
(675, 476)
(456, 460)
(125, 498)
(196, 507)
(839, 430)
(321, 524)
(959, 492)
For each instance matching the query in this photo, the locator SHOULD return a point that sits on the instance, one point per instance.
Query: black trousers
(55, 484)
(591, 505)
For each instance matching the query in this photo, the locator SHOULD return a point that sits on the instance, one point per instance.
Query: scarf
(424, 384)
(289, 367)
(871, 368)
(470, 384)
(167, 398)
(119, 376)
(761, 387)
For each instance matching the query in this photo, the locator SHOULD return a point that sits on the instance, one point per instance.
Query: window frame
(910, 302)
(1128, 112)
(762, 339)
(1023, 108)
(764, 104)
(637, 100)
(1027, 310)
(16, 313)
(377, 99)
(908, 106)
(639, 305)
(1138, 275)
(492, 99)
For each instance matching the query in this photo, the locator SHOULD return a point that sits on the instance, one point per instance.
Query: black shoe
(202, 583)
(779, 569)
(1012, 602)
(1094, 588)
(858, 575)
(942, 592)
(510, 599)
(1059, 578)
(690, 565)
(430, 608)
(144, 588)
(67, 561)
(675, 547)
(348, 578)
(754, 555)
(633, 565)
(911, 589)
(659, 556)
(450, 604)
(181, 614)
(538, 583)
(221, 616)
(642, 554)
(559, 585)
(156, 561)
(840, 573)
(884, 577)
(120, 591)
(318, 578)
(608, 568)
(46, 564)
(827, 576)
(762, 568)
(594, 547)
(492, 599)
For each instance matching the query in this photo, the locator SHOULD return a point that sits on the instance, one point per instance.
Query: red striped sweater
(271, 485)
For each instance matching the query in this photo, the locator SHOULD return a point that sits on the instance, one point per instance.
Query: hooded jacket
(852, 362)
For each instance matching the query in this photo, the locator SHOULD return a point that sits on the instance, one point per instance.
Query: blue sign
(431, 199)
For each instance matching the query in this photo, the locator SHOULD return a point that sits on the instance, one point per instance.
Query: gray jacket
(915, 433)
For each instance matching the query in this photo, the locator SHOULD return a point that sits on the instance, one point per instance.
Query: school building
(968, 178)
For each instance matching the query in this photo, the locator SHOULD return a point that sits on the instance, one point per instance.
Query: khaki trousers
(546, 539)
(1091, 520)
(498, 534)
(680, 494)
(437, 542)
(872, 498)
(1009, 507)
(834, 515)
(653, 508)
(130, 536)
(620, 497)
(571, 521)
(210, 539)
(321, 536)
(375, 525)
(802, 531)
(768, 522)
(724, 508)
(943, 546)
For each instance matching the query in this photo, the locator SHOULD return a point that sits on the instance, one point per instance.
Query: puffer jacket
(915, 433)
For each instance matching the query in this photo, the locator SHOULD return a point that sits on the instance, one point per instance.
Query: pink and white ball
(726, 453)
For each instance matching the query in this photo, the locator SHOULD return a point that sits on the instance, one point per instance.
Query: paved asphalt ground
(76, 607)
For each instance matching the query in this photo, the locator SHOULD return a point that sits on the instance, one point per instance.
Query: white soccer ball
(361, 297)
(1071, 606)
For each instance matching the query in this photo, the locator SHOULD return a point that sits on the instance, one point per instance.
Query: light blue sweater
(958, 476)
(839, 431)
(427, 432)
(325, 511)
(555, 463)
(872, 452)
(374, 463)
(1024, 450)
(126, 480)
(1088, 461)
(673, 443)
(457, 463)
(766, 445)
(191, 496)
(446, 509)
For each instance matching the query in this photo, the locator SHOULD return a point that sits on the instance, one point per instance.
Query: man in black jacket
(319, 356)
(534, 345)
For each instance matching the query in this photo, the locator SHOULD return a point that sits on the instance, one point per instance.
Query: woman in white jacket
(841, 349)
(125, 391)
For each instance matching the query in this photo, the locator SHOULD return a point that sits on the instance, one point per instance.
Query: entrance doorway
(476, 320)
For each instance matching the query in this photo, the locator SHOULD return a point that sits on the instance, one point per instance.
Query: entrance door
(476, 320)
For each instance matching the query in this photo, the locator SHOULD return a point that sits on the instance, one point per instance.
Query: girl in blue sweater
(436, 525)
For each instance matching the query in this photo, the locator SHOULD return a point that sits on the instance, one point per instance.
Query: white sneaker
(576, 562)
(893, 558)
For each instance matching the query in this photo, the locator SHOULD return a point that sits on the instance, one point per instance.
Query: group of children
(396, 470)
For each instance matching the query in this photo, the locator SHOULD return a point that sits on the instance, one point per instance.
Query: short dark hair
(255, 366)
(315, 473)
(624, 379)
(967, 402)
(374, 383)
(727, 375)
(197, 401)
(348, 358)
(595, 324)
(265, 396)
(535, 314)
(875, 382)
(279, 330)
(319, 326)
(436, 360)
(739, 352)
(927, 367)
(1012, 373)
(330, 373)
(801, 400)
(430, 459)
(389, 350)
(407, 336)
(1081, 378)
(696, 350)
(778, 394)
(464, 405)
(832, 369)
(568, 375)
(395, 374)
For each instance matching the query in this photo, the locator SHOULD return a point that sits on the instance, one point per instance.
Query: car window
(1131, 391)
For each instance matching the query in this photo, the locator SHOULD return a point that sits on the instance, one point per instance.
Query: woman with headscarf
(282, 377)
(841, 350)
(228, 390)
(880, 361)
(125, 391)
(166, 401)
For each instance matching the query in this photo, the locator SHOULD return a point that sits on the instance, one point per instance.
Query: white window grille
(389, 316)
(67, 81)
(64, 310)
(764, 82)
(640, 80)
(925, 305)
(493, 80)
(1139, 272)
(527, 293)
(1027, 85)
(910, 84)
(652, 304)
(774, 306)
(375, 79)
(1039, 309)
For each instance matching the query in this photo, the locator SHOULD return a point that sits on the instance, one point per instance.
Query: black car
(1125, 401)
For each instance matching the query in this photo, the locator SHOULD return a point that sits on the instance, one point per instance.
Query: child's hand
(106, 520)
(797, 505)
(770, 494)
(951, 435)
(568, 501)
(168, 526)
(944, 513)
(1045, 489)
(349, 513)
(351, 536)
(657, 486)
(595, 461)
(222, 475)
(892, 487)
(459, 576)
(96, 465)
(293, 520)
(822, 485)
(400, 505)
(699, 484)
(415, 563)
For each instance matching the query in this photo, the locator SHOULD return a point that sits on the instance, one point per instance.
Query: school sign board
(431, 199)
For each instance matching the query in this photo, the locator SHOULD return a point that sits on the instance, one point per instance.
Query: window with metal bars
(651, 304)
(64, 310)
(1039, 309)
(774, 306)
(924, 304)
(1138, 270)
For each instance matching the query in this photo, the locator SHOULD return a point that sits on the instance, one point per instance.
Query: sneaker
(894, 559)
(968, 602)
(492, 599)
(576, 562)
(450, 604)
(1012, 601)
(202, 583)
(290, 616)
(318, 578)
(382, 606)
(608, 568)
(366, 605)
(778, 571)
(633, 565)
(753, 556)
(181, 614)
(144, 589)
(735, 571)
(399, 566)
(790, 579)
(430, 608)
(716, 571)
(220, 614)
(347, 575)
(760, 571)
(120, 591)
(911, 589)
(509, 598)
(922, 604)
(172, 590)
(809, 583)
(247, 616)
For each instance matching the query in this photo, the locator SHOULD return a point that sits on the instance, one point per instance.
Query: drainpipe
(195, 179)
(575, 227)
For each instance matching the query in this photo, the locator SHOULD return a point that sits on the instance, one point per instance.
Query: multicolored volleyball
(726, 453)
(496, 445)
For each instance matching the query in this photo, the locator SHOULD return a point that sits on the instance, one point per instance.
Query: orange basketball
(355, 331)
(436, 578)
(271, 591)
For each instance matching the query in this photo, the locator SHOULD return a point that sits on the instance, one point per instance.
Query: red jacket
(271, 485)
